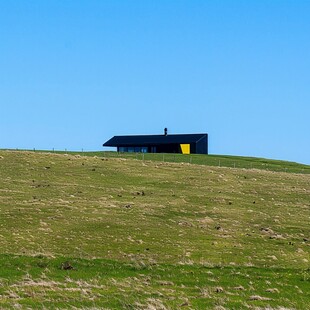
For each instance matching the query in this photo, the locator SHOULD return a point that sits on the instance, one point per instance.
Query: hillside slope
(125, 234)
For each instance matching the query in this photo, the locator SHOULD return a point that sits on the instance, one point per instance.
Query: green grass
(142, 234)
(110, 284)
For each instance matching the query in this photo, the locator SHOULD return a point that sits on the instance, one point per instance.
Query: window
(133, 149)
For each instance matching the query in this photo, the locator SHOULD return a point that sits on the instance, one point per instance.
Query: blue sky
(75, 73)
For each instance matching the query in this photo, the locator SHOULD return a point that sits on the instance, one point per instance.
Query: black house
(180, 143)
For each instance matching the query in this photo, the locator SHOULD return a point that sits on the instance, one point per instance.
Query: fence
(235, 162)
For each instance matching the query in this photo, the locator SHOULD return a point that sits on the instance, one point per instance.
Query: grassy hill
(120, 233)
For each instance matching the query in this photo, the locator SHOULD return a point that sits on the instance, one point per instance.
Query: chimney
(166, 131)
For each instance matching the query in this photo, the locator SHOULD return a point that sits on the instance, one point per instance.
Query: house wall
(202, 146)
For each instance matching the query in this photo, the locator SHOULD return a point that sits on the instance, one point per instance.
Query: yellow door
(185, 148)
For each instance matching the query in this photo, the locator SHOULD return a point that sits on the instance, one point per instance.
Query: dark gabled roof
(146, 140)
